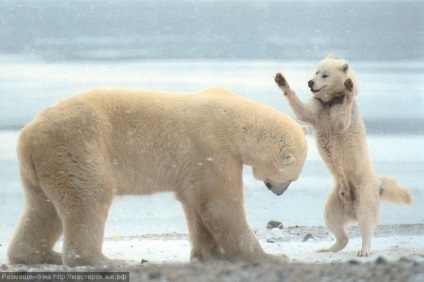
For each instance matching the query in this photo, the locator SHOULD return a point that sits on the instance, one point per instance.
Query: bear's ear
(305, 129)
(287, 159)
(330, 56)
(344, 68)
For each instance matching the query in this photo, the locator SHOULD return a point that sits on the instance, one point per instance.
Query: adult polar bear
(77, 154)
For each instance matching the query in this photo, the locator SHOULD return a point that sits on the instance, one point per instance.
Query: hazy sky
(66, 30)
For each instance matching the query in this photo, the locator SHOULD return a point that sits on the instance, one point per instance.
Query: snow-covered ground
(389, 92)
(391, 243)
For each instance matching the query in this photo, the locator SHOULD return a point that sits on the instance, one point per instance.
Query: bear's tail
(394, 193)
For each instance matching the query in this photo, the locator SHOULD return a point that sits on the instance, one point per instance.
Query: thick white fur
(341, 140)
(75, 156)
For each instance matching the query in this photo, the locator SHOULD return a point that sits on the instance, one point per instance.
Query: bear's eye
(325, 75)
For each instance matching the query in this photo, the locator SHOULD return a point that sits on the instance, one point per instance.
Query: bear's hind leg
(82, 194)
(38, 230)
(84, 216)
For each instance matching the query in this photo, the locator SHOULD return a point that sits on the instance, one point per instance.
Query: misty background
(109, 41)
(50, 50)
(216, 29)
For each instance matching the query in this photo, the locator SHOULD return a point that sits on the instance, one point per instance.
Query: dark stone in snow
(274, 224)
(307, 237)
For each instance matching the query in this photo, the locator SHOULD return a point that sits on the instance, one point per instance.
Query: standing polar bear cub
(74, 156)
(340, 136)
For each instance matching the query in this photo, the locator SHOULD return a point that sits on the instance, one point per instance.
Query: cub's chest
(325, 143)
(327, 113)
(328, 142)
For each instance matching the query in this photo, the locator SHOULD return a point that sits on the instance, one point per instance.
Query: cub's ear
(330, 56)
(287, 159)
(344, 68)
(305, 129)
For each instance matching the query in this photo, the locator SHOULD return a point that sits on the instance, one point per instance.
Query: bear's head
(284, 162)
(330, 76)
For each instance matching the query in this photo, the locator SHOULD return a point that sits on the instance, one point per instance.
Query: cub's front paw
(282, 83)
(348, 84)
(280, 80)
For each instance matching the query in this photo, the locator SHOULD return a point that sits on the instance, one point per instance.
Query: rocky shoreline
(405, 269)
(398, 260)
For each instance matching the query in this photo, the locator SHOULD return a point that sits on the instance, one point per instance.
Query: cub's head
(330, 76)
(284, 162)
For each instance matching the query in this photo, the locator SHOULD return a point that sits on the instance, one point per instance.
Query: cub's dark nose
(311, 83)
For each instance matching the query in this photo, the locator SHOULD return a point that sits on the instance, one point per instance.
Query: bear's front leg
(226, 221)
(203, 245)
(301, 110)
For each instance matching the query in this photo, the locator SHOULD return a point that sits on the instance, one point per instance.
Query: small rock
(4, 267)
(380, 260)
(307, 237)
(353, 261)
(144, 261)
(274, 224)
(270, 241)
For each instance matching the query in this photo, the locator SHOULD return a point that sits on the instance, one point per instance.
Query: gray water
(212, 29)
(395, 132)
(400, 156)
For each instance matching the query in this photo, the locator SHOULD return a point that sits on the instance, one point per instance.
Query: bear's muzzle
(278, 189)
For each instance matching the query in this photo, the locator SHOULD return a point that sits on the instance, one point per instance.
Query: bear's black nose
(310, 83)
